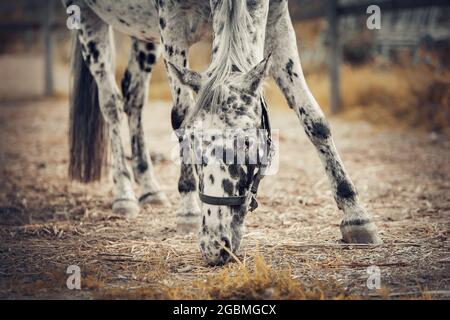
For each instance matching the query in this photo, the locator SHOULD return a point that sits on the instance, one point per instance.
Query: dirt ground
(48, 223)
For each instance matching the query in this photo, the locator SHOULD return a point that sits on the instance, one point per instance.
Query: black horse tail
(88, 136)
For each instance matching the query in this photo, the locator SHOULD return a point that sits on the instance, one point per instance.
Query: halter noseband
(250, 197)
(236, 200)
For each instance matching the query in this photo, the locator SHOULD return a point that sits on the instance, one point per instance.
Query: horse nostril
(224, 255)
(226, 242)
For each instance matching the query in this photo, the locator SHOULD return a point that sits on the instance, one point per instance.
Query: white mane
(233, 52)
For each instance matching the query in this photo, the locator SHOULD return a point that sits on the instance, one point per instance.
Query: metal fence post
(48, 47)
(334, 55)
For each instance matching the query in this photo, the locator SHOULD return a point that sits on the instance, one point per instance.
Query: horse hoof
(360, 231)
(157, 198)
(127, 208)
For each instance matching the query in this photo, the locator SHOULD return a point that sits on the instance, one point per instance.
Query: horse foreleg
(176, 50)
(357, 226)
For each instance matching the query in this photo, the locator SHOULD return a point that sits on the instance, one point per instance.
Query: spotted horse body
(251, 39)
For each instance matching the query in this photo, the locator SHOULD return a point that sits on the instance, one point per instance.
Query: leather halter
(250, 198)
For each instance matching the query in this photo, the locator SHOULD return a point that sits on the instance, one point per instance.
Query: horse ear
(189, 78)
(254, 79)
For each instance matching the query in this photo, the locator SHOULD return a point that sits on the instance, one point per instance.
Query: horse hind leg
(97, 50)
(135, 86)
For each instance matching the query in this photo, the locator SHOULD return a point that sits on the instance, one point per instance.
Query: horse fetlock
(128, 208)
(154, 197)
(188, 205)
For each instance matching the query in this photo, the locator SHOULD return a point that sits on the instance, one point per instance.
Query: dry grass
(290, 249)
(258, 280)
(255, 279)
(398, 95)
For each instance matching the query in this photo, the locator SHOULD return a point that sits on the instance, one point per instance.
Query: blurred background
(398, 75)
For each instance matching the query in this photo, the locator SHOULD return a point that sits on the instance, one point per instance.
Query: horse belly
(136, 18)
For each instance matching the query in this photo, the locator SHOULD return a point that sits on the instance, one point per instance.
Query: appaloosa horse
(228, 96)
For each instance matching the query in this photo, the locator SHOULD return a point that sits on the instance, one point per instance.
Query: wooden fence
(49, 16)
(333, 12)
